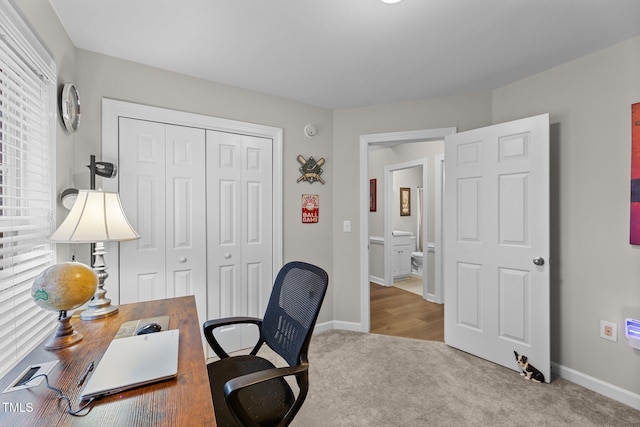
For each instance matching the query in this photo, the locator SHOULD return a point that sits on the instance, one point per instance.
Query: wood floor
(403, 314)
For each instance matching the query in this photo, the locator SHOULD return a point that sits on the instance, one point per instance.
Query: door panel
(185, 215)
(239, 195)
(256, 228)
(141, 170)
(166, 205)
(205, 214)
(496, 223)
(225, 249)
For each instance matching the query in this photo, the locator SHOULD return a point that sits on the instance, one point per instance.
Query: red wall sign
(310, 208)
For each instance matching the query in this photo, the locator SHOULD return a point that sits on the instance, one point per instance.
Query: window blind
(27, 143)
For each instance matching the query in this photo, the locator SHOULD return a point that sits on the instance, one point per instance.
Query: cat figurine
(528, 371)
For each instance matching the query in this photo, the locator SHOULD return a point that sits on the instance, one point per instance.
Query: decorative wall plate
(70, 107)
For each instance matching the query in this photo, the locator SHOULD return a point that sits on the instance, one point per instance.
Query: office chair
(249, 390)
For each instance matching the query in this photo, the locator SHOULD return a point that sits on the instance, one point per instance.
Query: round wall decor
(70, 107)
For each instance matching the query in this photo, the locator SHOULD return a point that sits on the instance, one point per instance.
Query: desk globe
(63, 287)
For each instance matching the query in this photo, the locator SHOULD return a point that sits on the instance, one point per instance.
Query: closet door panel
(162, 191)
(239, 194)
(185, 215)
(142, 192)
(257, 230)
(226, 291)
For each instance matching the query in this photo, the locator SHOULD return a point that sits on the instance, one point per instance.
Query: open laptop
(133, 362)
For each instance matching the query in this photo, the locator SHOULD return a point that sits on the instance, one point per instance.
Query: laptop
(133, 362)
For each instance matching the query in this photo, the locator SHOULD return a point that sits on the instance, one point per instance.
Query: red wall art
(634, 232)
(310, 208)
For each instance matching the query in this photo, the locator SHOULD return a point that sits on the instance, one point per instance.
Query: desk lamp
(96, 217)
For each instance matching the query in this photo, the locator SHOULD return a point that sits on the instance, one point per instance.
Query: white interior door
(496, 242)
(162, 188)
(239, 243)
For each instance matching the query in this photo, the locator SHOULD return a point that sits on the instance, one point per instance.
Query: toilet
(416, 263)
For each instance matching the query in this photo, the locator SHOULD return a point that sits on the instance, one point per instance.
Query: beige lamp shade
(96, 216)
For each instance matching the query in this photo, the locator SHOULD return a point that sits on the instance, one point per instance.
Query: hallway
(401, 313)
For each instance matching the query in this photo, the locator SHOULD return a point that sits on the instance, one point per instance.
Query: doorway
(402, 225)
(517, 300)
(422, 229)
(366, 143)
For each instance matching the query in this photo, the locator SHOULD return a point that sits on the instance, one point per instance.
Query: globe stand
(100, 306)
(65, 334)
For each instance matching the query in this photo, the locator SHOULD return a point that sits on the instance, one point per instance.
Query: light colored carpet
(359, 379)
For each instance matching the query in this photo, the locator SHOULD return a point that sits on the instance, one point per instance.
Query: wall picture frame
(373, 195)
(405, 201)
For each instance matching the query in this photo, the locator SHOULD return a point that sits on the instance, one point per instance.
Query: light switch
(346, 226)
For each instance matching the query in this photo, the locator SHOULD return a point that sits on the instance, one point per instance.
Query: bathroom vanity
(403, 244)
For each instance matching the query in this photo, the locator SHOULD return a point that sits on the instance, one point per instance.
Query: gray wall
(464, 112)
(98, 76)
(595, 271)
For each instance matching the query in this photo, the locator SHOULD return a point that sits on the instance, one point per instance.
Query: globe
(64, 286)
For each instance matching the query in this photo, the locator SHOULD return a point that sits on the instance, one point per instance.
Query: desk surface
(183, 401)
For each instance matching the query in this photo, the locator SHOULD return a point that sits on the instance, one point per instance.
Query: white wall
(595, 272)
(411, 179)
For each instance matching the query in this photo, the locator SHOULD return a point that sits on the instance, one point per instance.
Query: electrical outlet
(609, 331)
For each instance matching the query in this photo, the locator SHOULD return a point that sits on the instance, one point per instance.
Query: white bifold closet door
(162, 189)
(202, 202)
(239, 217)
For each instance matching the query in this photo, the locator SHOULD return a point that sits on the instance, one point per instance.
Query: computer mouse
(149, 329)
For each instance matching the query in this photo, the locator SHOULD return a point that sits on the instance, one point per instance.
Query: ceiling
(349, 53)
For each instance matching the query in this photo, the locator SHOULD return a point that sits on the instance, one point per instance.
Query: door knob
(227, 255)
(182, 259)
(538, 260)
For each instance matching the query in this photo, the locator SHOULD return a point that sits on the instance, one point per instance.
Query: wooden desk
(183, 401)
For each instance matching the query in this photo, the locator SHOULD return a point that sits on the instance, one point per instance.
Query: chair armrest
(233, 387)
(210, 325)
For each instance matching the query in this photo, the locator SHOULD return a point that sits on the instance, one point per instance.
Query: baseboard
(334, 324)
(377, 280)
(594, 384)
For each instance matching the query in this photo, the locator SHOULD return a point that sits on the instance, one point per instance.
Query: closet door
(239, 244)
(162, 172)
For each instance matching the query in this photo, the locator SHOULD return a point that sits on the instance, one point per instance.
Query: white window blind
(27, 144)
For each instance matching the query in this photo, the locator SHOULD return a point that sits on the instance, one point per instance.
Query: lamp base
(99, 308)
(65, 335)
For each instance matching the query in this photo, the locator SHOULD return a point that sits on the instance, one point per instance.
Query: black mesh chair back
(293, 308)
